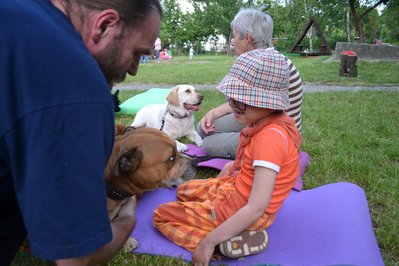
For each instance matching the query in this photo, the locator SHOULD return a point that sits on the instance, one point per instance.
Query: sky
(185, 5)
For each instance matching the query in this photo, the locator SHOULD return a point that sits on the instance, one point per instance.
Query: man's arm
(122, 226)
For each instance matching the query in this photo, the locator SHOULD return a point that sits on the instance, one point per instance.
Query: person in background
(191, 53)
(229, 213)
(144, 58)
(157, 48)
(251, 29)
(166, 54)
(57, 122)
(169, 46)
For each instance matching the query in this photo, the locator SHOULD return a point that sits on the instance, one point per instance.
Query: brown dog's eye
(188, 91)
(172, 158)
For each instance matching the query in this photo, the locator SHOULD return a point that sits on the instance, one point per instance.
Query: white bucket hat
(258, 78)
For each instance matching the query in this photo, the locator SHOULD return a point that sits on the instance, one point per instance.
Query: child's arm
(257, 203)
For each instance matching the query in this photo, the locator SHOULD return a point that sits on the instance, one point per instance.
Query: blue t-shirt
(56, 134)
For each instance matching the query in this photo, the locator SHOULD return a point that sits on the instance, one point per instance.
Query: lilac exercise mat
(218, 163)
(328, 225)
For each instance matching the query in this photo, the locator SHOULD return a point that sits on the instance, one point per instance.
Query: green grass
(210, 69)
(202, 70)
(351, 136)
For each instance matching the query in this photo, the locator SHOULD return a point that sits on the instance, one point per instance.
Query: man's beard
(107, 60)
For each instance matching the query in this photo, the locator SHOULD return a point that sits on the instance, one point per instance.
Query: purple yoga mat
(218, 163)
(328, 225)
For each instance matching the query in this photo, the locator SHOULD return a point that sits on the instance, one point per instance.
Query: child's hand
(226, 169)
(203, 253)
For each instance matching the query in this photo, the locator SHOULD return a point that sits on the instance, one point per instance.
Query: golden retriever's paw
(198, 143)
(130, 245)
(181, 147)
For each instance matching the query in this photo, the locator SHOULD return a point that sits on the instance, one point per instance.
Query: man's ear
(107, 25)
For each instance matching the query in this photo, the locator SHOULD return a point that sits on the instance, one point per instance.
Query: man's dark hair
(131, 11)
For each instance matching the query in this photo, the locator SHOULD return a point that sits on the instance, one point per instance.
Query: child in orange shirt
(232, 211)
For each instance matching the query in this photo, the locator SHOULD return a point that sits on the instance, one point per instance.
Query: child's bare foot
(244, 244)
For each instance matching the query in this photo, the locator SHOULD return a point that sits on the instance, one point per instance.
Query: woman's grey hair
(257, 24)
(131, 11)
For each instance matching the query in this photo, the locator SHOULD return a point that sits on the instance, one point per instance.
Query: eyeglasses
(236, 105)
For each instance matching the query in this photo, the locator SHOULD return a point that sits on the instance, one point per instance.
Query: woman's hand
(203, 253)
(207, 122)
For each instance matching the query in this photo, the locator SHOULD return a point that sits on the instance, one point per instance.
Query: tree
(172, 25)
(390, 27)
(357, 18)
(219, 14)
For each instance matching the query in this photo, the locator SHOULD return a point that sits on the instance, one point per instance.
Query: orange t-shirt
(273, 148)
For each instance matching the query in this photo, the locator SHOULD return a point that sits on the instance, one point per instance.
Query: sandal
(244, 244)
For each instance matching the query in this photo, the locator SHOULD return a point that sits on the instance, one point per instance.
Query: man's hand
(128, 209)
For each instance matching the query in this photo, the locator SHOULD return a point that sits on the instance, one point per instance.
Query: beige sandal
(244, 244)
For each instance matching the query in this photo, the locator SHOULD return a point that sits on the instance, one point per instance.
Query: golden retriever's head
(185, 97)
(145, 159)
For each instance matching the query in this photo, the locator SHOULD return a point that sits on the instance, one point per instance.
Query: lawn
(351, 136)
(210, 69)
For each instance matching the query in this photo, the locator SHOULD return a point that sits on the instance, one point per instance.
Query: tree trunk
(358, 18)
(228, 43)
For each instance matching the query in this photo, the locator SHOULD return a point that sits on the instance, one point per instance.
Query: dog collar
(116, 193)
(176, 115)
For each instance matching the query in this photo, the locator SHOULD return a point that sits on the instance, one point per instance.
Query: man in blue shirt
(58, 61)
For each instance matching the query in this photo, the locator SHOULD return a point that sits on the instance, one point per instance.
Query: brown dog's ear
(119, 129)
(173, 97)
(127, 161)
(122, 129)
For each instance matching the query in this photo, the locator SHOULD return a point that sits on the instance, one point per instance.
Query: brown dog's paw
(130, 245)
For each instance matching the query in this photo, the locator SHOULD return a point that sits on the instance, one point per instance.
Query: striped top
(295, 95)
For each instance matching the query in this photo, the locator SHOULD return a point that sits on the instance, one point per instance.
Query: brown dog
(143, 159)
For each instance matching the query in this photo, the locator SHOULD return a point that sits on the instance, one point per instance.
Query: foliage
(219, 14)
(360, 11)
(173, 25)
(390, 24)
(338, 22)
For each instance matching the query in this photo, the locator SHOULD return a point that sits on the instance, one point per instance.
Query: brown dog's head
(145, 159)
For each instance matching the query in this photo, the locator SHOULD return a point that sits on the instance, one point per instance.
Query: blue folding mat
(327, 225)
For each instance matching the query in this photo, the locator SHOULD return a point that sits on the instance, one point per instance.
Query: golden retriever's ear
(173, 97)
(127, 162)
